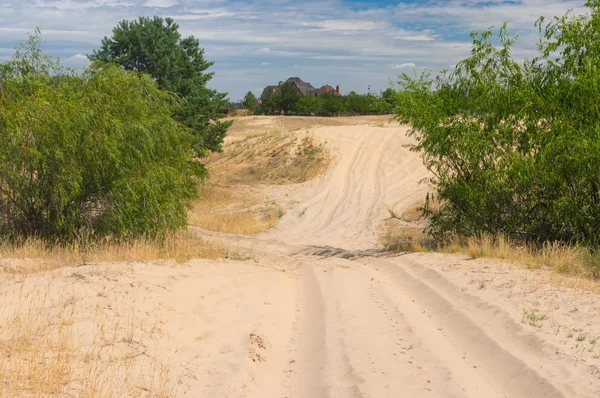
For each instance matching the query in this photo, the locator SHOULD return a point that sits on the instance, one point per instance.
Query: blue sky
(355, 44)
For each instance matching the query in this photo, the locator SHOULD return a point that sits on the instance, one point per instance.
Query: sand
(321, 311)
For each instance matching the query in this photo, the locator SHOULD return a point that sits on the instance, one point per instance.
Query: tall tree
(286, 98)
(154, 46)
(250, 102)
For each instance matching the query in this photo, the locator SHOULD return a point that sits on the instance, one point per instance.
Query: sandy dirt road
(360, 324)
(322, 312)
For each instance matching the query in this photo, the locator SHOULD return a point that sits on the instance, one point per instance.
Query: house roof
(304, 87)
(327, 89)
(268, 90)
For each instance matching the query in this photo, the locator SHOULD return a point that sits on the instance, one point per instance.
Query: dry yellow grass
(269, 158)
(234, 210)
(35, 255)
(36, 346)
(232, 202)
(48, 347)
(405, 239)
(559, 257)
(246, 222)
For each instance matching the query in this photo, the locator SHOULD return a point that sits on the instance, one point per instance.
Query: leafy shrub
(287, 100)
(514, 147)
(97, 152)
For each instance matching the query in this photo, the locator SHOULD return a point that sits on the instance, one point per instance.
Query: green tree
(309, 104)
(388, 95)
(250, 102)
(514, 148)
(98, 151)
(332, 104)
(155, 46)
(283, 99)
(286, 98)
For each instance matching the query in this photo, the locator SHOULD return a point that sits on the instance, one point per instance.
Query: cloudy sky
(355, 44)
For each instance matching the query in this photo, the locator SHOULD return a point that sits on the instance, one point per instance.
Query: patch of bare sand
(245, 126)
(372, 172)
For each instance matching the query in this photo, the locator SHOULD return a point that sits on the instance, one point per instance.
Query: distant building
(303, 88)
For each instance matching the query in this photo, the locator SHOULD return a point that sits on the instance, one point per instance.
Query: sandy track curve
(366, 326)
(372, 171)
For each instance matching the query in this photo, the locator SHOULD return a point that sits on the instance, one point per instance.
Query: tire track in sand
(478, 362)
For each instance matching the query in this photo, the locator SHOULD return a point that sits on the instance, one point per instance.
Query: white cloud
(406, 65)
(346, 25)
(160, 3)
(79, 57)
(416, 38)
(208, 14)
(75, 5)
(320, 41)
(78, 60)
(347, 57)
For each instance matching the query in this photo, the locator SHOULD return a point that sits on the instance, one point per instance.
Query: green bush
(97, 152)
(309, 104)
(287, 100)
(514, 148)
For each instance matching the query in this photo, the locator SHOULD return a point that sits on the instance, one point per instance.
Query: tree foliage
(287, 100)
(514, 147)
(97, 151)
(155, 46)
(250, 102)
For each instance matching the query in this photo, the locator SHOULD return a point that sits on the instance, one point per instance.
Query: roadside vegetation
(111, 152)
(100, 165)
(286, 101)
(514, 147)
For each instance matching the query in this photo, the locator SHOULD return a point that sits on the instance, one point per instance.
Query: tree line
(286, 100)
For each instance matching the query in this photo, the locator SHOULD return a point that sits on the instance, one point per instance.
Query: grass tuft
(562, 258)
(35, 255)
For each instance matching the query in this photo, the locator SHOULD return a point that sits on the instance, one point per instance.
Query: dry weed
(246, 222)
(230, 203)
(405, 240)
(559, 257)
(49, 346)
(35, 255)
(269, 158)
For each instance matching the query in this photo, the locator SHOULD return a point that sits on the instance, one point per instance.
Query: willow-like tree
(154, 46)
(95, 153)
(514, 147)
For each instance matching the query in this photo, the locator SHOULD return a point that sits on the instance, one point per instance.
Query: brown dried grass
(35, 255)
(559, 257)
(44, 351)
